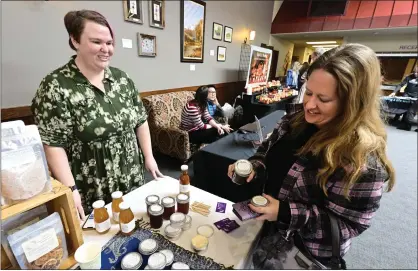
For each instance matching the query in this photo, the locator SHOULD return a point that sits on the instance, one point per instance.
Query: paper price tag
(40, 245)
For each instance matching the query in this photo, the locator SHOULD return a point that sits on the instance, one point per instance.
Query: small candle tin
(157, 261)
(243, 169)
(187, 223)
(259, 201)
(131, 261)
(169, 256)
(148, 246)
(205, 230)
(177, 220)
(179, 266)
(200, 243)
(172, 233)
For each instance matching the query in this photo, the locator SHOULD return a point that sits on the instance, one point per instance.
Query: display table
(211, 162)
(227, 249)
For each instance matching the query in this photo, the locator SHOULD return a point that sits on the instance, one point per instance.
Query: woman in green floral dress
(90, 117)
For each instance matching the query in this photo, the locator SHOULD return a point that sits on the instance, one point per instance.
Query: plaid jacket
(300, 191)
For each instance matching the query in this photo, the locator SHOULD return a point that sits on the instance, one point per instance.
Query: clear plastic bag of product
(24, 170)
(41, 245)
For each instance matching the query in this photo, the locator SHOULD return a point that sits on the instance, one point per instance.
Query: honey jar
(183, 203)
(169, 207)
(126, 219)
(101, 217)
(156, 216)
(150, 200)
(116, 200)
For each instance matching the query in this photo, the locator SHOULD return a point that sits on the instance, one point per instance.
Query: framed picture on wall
(228, 34)
(132, 10)
(221, 54)
(156, 13)
(217, 31)
(147, 45)
(192, 30)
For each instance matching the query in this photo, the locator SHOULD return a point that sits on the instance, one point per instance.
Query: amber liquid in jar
(101, 217)
(156, 216)
(116, 200)
(126, 219)
(169, 205)
(183, 203)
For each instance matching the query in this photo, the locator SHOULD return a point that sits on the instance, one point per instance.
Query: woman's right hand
(78, 205)
(231, 170)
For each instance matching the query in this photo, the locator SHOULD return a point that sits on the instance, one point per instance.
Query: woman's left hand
(151, 166)
(270, 212)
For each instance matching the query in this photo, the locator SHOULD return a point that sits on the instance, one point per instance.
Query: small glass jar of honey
(183, 203)
(156, 216)
(169, 207)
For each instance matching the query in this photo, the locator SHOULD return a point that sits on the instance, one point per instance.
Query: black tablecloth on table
(211, 163)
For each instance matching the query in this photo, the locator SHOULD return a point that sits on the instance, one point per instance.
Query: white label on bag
(184, 188)
(127, 228)
(40, 245)
(116, 216)
(104, 226)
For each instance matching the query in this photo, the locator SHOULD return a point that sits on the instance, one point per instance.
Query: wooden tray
(59, 199)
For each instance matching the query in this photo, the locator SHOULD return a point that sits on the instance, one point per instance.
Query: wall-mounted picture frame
(132, 11)
(221, 56)
(228, 33)
(192, 30)
(156, 13)
(217, 31)
(147, 45)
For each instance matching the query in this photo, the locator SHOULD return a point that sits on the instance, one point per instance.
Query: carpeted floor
(391, 241)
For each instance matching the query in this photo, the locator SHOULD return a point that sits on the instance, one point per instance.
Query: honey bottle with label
(126, 219)
(184, 180)
(116, 200)
(101, 217)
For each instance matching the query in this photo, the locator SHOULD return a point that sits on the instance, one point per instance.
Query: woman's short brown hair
(75, 21)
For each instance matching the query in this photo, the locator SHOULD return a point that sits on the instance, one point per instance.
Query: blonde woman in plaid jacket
(329, 156)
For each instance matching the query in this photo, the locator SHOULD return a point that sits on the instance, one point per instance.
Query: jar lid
(205, 230)
(259, 201)
(152, 199)
(169, 256)
(168, 201)
(182, 198)
(179, 266)
(117, 194)
(172, 232)
(156, 209)
(177, 218)
(124, 205)
(98, 204)
(131, 261)
(243, 167)
(200, 242)
(184, 167)
(148, 246)
(157, 261)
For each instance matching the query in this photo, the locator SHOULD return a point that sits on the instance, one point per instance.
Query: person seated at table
(214, 108)
(330, 156)
(193, 115)
(410, 85)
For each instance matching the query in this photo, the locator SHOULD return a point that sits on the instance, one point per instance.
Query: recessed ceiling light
(326, 46)
(321, 42)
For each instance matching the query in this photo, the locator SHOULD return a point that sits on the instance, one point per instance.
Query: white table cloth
(228, 249)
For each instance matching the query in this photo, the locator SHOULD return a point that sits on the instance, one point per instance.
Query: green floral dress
(97, 129)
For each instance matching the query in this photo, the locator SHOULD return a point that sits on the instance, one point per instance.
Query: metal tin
(259, 201)
(169, 256)
(172, 232)
(157, 261)
(177, 220)
(200, 243)
(205, 230)
(187, 223)
(179, 266)
(131, 261)
(148, 246)
(242, 170)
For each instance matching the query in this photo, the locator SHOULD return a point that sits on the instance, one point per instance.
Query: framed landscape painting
(192, 30)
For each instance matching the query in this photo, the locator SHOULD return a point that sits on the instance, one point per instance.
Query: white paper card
(212, 52)
(192, 67)
(40, 245)
(126, 43)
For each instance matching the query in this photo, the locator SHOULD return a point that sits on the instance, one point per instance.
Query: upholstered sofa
(164, 115)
